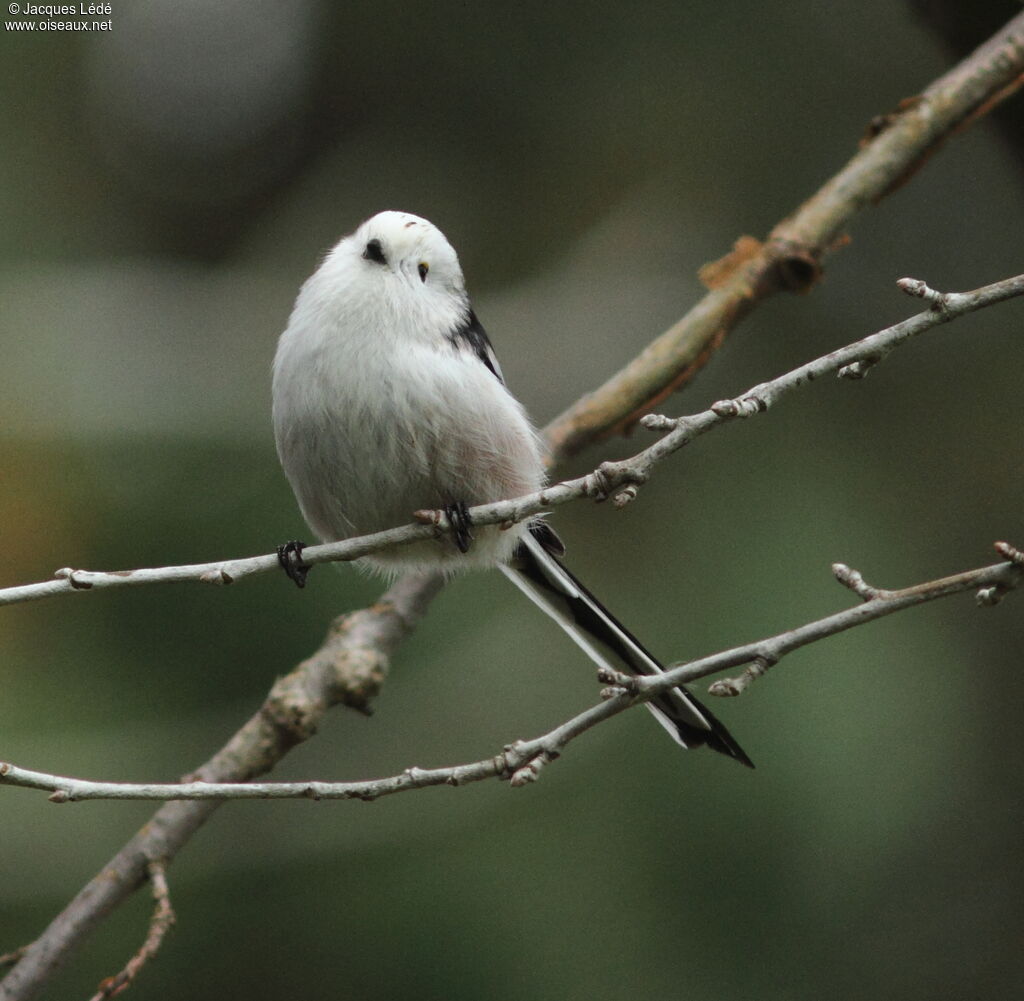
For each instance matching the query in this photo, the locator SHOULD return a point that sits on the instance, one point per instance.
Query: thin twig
(619, 480)
(159, 925)
(522, 761)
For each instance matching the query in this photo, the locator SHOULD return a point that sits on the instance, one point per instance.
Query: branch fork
(159, 925)
(603, 482)
(853, 580)
(530, 772)
(937, 301)
(619, 682)
(994, 593)
(731, 687)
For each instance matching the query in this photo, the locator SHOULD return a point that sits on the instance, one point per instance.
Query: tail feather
(536, 570)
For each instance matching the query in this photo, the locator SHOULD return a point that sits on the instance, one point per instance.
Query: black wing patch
(471, 334)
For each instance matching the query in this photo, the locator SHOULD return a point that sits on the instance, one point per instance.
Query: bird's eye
(423, 269)
(374, 252)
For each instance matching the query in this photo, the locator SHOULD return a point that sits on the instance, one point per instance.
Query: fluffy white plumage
(382, 406)
(388, 399)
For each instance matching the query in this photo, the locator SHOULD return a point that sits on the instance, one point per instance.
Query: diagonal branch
(620, 479)
(520, 762)
(790, 259)
(349, 667)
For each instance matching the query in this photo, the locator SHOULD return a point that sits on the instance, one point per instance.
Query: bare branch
(522, 761)
(159, 925)
(619, 480)
(999, 577)
(350, 666)
(790, 258)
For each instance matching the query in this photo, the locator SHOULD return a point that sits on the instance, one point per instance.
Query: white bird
(388, 399)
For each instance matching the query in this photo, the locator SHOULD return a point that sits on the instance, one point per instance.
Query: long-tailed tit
(388, 399)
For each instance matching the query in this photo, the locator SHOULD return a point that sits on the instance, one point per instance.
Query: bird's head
(402, 246)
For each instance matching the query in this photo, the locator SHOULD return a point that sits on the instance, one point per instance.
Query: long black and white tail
(538, 572)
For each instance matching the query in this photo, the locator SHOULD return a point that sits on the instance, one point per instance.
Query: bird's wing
(471, 336)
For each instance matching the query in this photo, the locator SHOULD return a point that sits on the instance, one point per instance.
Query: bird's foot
(461, 523)
(290, 557)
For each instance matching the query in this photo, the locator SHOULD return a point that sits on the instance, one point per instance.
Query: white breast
(372, 424)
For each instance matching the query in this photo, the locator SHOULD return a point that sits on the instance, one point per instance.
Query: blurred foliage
(165, 190)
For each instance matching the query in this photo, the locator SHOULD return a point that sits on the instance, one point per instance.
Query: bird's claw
(461, 524)
(290, 557)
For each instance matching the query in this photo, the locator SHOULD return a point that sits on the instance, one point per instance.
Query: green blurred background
(164, 190)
